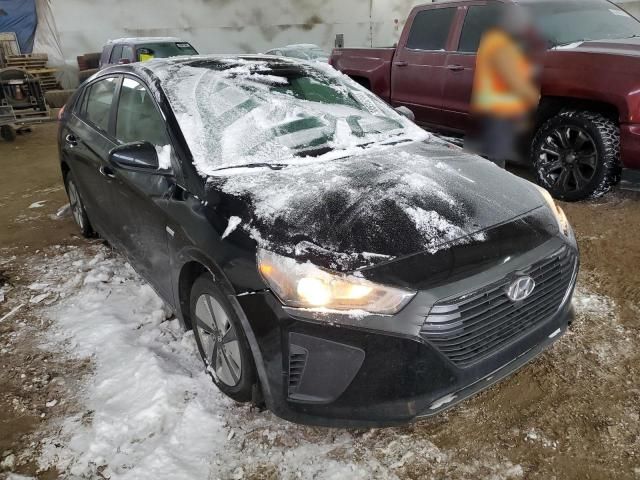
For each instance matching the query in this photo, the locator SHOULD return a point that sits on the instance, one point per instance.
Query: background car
(302, 51)
(141, 49)
(331, 257)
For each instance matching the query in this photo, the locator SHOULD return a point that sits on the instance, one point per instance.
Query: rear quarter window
(430, 29)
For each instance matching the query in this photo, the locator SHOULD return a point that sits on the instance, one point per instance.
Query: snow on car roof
(236, 111)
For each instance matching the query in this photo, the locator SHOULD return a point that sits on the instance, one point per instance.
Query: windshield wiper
(272, 166)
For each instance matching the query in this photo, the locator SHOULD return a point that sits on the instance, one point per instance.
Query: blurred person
(505, 94)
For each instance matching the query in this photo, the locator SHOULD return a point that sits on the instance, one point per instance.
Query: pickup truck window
(164, 50)
(116, 54)
(478, 20)
(430, 29)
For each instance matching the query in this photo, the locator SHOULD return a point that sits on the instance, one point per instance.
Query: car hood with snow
(377, 205)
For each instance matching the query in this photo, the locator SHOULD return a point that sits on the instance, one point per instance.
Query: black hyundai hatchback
(333, 260)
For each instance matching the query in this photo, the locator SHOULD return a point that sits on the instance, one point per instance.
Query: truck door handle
(107, 172)
(401, 64)
(455, 68)
(71, 140)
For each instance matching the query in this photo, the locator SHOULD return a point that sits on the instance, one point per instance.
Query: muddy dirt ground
(572, 413)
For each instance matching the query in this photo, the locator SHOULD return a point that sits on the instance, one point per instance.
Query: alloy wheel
(219, 341)
(76, 204)
(568, 159)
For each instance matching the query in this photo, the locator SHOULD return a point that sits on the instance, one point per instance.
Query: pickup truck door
(418, 70)
(473, 21)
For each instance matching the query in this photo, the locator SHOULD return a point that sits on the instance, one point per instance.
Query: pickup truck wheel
(576, 155)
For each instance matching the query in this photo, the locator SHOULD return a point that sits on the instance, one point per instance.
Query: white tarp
(47, 41)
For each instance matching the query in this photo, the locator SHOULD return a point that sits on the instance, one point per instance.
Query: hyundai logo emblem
(521, 289)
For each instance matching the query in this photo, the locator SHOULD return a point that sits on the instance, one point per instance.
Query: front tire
(77, 207)
(576, 155)
(221, 340)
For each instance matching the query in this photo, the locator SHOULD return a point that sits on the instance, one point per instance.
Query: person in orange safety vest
(504, 89)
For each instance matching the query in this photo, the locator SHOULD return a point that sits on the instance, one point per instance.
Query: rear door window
(97, 104)
(478, 20)
(430, 29)
(116, 54)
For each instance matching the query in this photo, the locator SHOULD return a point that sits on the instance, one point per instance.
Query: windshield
(570, 21)
(164, 50)
(252, 113)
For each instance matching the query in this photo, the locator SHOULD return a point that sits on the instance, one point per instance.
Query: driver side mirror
(136, 157)
(405, 112)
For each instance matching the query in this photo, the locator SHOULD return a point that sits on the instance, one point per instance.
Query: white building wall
(230, 26)
(236, 26)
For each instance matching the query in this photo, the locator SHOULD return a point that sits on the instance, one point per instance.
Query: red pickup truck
(587, 134)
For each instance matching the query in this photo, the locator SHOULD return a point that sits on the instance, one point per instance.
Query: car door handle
(107, 172)
(455, 68)
(401, 64)
(71, 140)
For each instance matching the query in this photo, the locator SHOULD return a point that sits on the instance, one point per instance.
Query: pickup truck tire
(576, 155)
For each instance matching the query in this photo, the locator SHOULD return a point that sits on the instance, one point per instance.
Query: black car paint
(344, 218)
(170, 228)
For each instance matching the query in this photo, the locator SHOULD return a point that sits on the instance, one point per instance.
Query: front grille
(297, 362)
(475, 325)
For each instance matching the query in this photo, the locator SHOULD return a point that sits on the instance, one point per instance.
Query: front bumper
(350, 372)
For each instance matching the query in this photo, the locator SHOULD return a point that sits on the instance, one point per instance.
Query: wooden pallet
(28, 61)
(8, 46)
(36, 65)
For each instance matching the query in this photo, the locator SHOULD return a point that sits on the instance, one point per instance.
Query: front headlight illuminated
(305, 285)
(563, 223)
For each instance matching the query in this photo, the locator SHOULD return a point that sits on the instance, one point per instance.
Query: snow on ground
(148, 410)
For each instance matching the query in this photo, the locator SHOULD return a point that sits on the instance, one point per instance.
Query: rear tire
(8, 133)
(576, 155)
(77, 207)
(221, 340)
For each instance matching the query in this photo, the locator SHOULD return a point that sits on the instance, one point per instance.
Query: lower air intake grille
(297, 362)
(475, 325)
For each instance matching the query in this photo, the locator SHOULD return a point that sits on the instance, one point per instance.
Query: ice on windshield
(235, 113)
